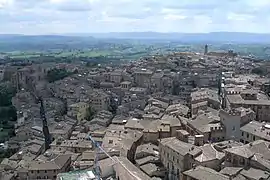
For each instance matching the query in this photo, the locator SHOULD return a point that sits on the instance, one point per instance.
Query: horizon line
(85, 33)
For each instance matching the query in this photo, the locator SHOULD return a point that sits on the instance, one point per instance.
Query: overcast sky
(87, 16)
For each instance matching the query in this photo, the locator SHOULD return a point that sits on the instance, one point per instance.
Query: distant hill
(230, 37)
(220, 37)
(42, 42)
(227, 40)
(39, 38)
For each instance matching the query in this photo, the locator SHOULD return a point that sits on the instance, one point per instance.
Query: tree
(113, 107)
(91, 64)
(90, 113)
(57, 74)
(8, 113)
(6, 94)
(260, 71)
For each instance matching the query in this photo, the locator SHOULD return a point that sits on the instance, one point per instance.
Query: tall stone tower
(205, 49)
(45, 128)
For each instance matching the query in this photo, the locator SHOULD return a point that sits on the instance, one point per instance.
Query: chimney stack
(199, 140)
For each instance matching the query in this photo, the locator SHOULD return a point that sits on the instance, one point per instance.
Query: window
(228, 157)
(173, 158)
(234, 162)
(247, 135)
(242, 161)
(242, 133)
(253, 138)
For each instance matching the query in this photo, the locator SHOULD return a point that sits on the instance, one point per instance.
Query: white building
(234, 119)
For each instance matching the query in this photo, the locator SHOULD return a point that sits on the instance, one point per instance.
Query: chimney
(20, 155)
(199, 140)
(182, 135)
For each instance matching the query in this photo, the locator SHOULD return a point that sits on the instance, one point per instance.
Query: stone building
(177, 156)
(249, 99)
(100, 101)
(255, 154)
(254, 131)
(45, 170)
(78, 110)
(142, 78)
(234, 119)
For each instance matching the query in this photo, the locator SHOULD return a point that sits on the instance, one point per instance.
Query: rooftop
(138, 89)
(255, 174)
(257, 151)
(258, 129)
(79, 104)
(143, 71)
(180, 147)
(134, 123)
(127, 170)
(204, 122)
(73, 143)
(178, 109)
(126, 82)
(204, 173)
(148, 149)
(148, 159)
(149, 169)
(231, 171)
(55, 164)
(237, 99)
(209, 153)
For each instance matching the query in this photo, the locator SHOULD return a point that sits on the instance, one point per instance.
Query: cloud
(65, 16)
(72, 5)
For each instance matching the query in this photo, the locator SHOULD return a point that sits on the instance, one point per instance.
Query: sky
(95, 16)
